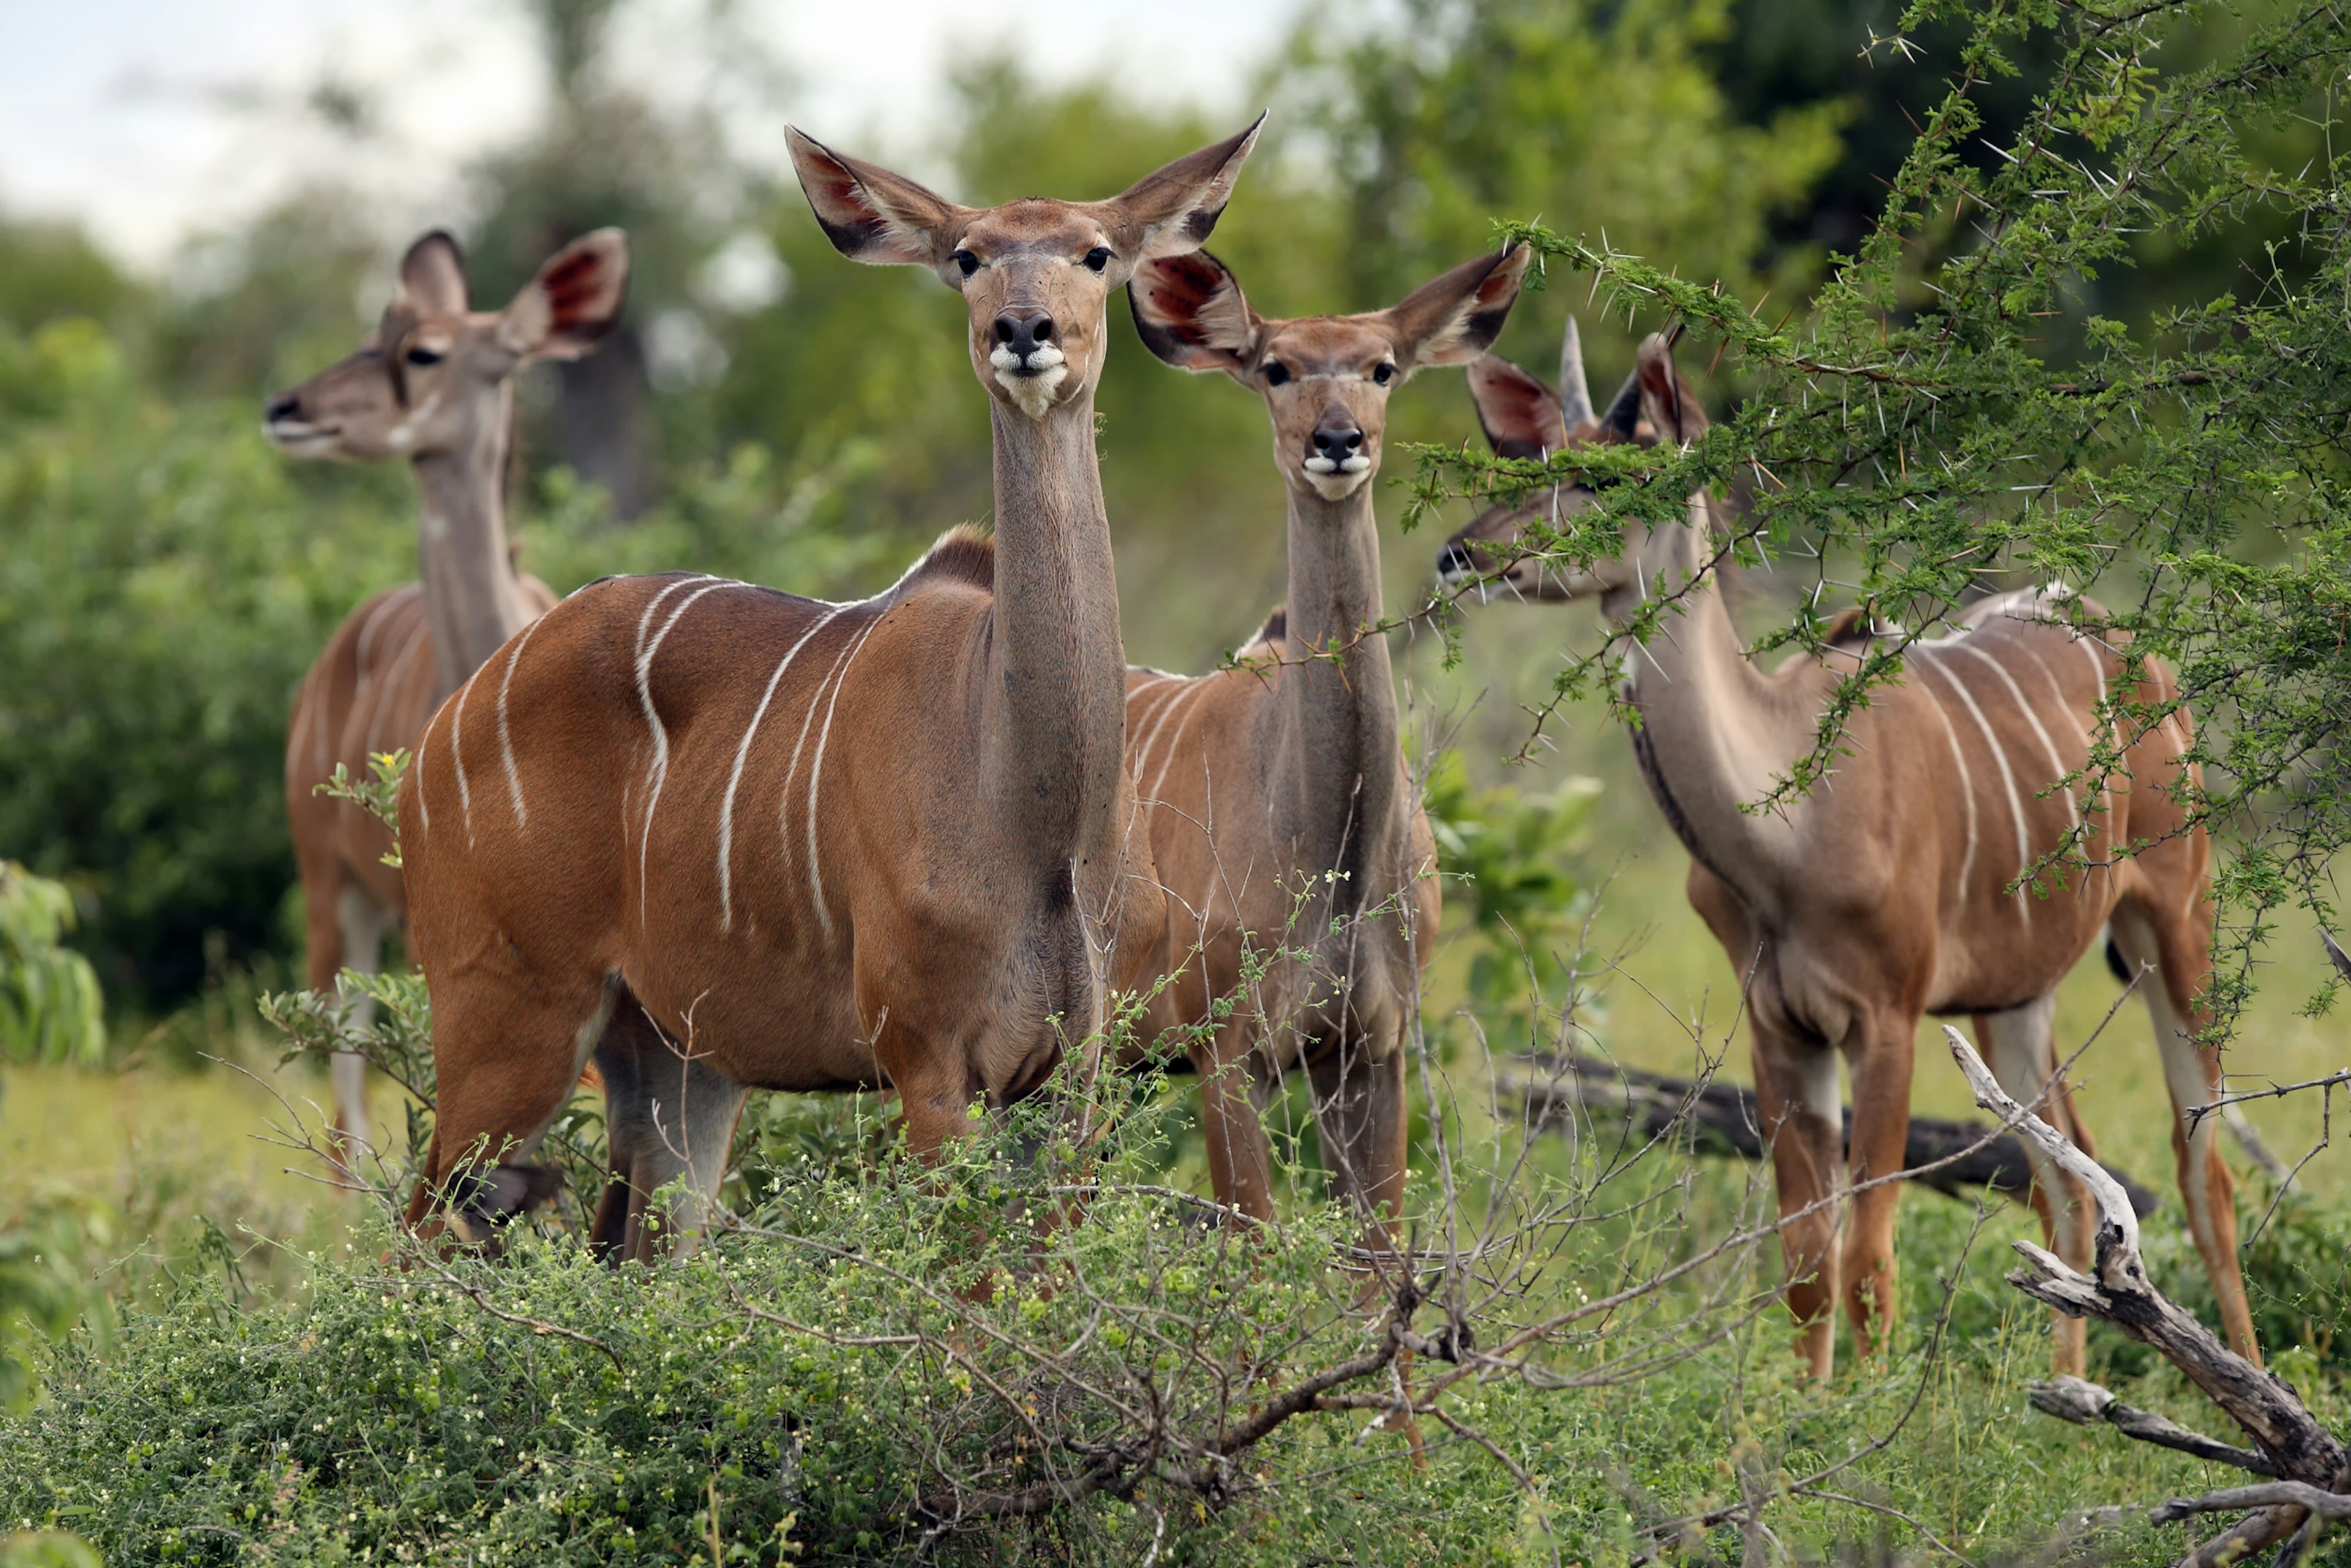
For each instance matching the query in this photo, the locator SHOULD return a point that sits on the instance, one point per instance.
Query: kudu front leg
(1796, 1090)
(1880, 1062)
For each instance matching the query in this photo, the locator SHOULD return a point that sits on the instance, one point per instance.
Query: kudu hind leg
(1359, 1111)
(2180, 952)
(506, 1052)
(360, 923)
(2020, 1044)
(668, 1114)
(1796, 1090)
(1233, 1091)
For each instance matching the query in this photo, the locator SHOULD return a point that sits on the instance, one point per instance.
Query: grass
(217, 1260)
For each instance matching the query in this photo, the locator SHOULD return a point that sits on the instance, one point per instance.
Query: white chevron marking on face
(735, 780)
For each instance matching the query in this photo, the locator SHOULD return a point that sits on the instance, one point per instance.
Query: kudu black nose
(282, 407)
(1454, 560)
(1024, 335)
(1337, 442)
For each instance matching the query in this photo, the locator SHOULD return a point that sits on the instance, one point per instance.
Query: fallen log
(1724, 1120)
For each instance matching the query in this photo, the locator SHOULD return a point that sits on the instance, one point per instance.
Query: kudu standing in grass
(1896, 888)
(724, 838)
(1283, 822)
(434, 385)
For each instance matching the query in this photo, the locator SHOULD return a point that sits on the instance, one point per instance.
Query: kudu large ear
(1452, 320)
(869, 214)
(433, 275)
(1669, 406)
(1188, 310)
(1174, 210)
(1521, 417)
(565, 311)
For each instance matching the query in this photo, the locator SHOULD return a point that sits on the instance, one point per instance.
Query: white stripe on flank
(816, 771)
(735, 780)
(808, 722)
(2106, 776)
(371, 736)
(2008, 777)
(506, 740)
(1188, 700)
(424, 807)
(1158, 715)
(659, 773)
(457, 756)
(1966, 787)
(2073, 816)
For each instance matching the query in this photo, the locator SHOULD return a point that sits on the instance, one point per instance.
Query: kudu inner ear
(869, 214)
(1172, 211)
(433, 275)
(565, 311)
(1521, 417)
(1189, 310)
(1453, 319)
(1667, 404)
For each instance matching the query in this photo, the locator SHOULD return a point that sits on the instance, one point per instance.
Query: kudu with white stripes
(434, 385)
(1897, 887)
(725, 838)
(1282, 820)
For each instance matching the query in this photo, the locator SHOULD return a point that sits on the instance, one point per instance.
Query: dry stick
(2119, 1291)
(2082, 1402)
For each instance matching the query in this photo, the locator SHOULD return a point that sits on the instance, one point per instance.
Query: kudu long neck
(1055, 711)
(470, 596)
(1338, 785)
(1715, 730)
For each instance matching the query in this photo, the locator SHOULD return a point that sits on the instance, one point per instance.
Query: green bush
(49, 1006)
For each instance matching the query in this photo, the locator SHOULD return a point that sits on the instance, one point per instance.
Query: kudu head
(1326, 379)
(1035, 274)
(1524, 418)
(434, 376)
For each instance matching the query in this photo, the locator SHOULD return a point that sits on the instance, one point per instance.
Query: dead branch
(2082, 1402)
(1728, 1122)
(2302, 1453)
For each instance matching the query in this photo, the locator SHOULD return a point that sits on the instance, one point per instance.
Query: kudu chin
(717, 838)
(1931, 877)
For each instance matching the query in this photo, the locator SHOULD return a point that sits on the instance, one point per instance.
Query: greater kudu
(1917, 878)
(434, 385)
(884, 842)
(1282, 818)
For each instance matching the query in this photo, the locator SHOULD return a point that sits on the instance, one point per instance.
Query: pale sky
(151, 119)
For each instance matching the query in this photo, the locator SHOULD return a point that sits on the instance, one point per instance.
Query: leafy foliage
(49, 1006)
(1920, 438)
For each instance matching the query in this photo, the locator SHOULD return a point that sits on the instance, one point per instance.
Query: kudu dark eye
(1384, 374)
(966, 260)
(1275, 373)
(1098, 258)
(419, 355)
